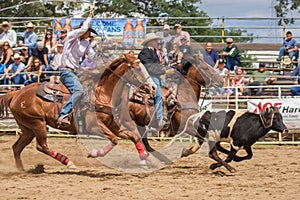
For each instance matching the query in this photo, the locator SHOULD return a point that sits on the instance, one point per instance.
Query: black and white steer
(241, 130)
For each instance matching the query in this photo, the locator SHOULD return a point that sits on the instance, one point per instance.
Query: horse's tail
(5, 102)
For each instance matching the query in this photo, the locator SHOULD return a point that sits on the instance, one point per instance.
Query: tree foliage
(29, 8)
(183, 11)
(284, 7)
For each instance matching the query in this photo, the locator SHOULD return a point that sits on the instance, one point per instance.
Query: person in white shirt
(8, 34)
(75, 46)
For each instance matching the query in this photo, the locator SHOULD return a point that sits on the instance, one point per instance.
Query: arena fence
(235, 102)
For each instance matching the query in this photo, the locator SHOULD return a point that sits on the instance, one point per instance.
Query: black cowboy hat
(90, 29)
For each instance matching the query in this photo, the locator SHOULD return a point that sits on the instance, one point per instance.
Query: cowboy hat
(90, 29)
(5, 23)
(149, 37)
(16, 56)
(229, 40)
(29, 25)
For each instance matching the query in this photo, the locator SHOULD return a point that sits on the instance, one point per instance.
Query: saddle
(53, 92)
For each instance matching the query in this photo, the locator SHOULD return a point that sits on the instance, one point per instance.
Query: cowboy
(75, 46)
(8, 34)
(30, 37)
(149, 57)
(17, 68)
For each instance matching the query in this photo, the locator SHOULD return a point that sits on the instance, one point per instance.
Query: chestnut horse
(33, 113)
(192, 78)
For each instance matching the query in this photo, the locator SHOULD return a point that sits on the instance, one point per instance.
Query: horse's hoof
(142, 163)
(184, 153)
(214, 166)
(232, 170)
(71, 165)
(93, 154)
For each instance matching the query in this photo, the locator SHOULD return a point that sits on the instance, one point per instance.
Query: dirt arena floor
(272, 173)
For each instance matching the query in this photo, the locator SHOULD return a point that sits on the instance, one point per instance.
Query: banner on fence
(289, 109)
(127, 33)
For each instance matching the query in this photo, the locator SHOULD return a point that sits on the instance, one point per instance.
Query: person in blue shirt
(30, 37)
(289, 46)
(17, 77)
(296, 89)
(210, 55)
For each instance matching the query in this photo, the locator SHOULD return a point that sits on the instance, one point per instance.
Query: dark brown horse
(192, 78)
(33, 113)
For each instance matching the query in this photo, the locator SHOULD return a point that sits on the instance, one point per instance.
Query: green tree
(284, 7)
(27, 8)
(171, 8)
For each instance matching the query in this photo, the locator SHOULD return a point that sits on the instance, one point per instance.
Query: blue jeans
(158, 98)
(295, 90)
(231, 63)
(34, 79)
(70, 80)
(283, 51)
(18, 79)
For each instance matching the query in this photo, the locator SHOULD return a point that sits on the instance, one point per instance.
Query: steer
(241, 130)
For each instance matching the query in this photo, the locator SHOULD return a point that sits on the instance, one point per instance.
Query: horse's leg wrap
(101, 152)
(61, 158)
(142, 153)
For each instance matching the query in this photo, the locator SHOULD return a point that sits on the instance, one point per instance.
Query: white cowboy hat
(6, 23)
(16, 56)
(30, 25)
(149, 37)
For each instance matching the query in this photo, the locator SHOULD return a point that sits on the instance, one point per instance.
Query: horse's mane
(110, 68)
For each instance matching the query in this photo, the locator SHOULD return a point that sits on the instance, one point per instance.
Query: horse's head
(126, 69)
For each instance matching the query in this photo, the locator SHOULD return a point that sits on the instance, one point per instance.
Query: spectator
(221, 70)
(30, 37)
(175, 56)
(88, 64)
(231, 55)
(62, 37)
(166, 37)
(162, 53)
(186, 50)
(289, 46)
(49, 42)
(34, 72)
(25, 55)
(17, 68)
(296, 89)
(6, 55)
(259, 78)
(179, 33)
(148, 56)
(239, 81)
(40, 52)
(8, 34)
(210, 55)
(57, 59)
